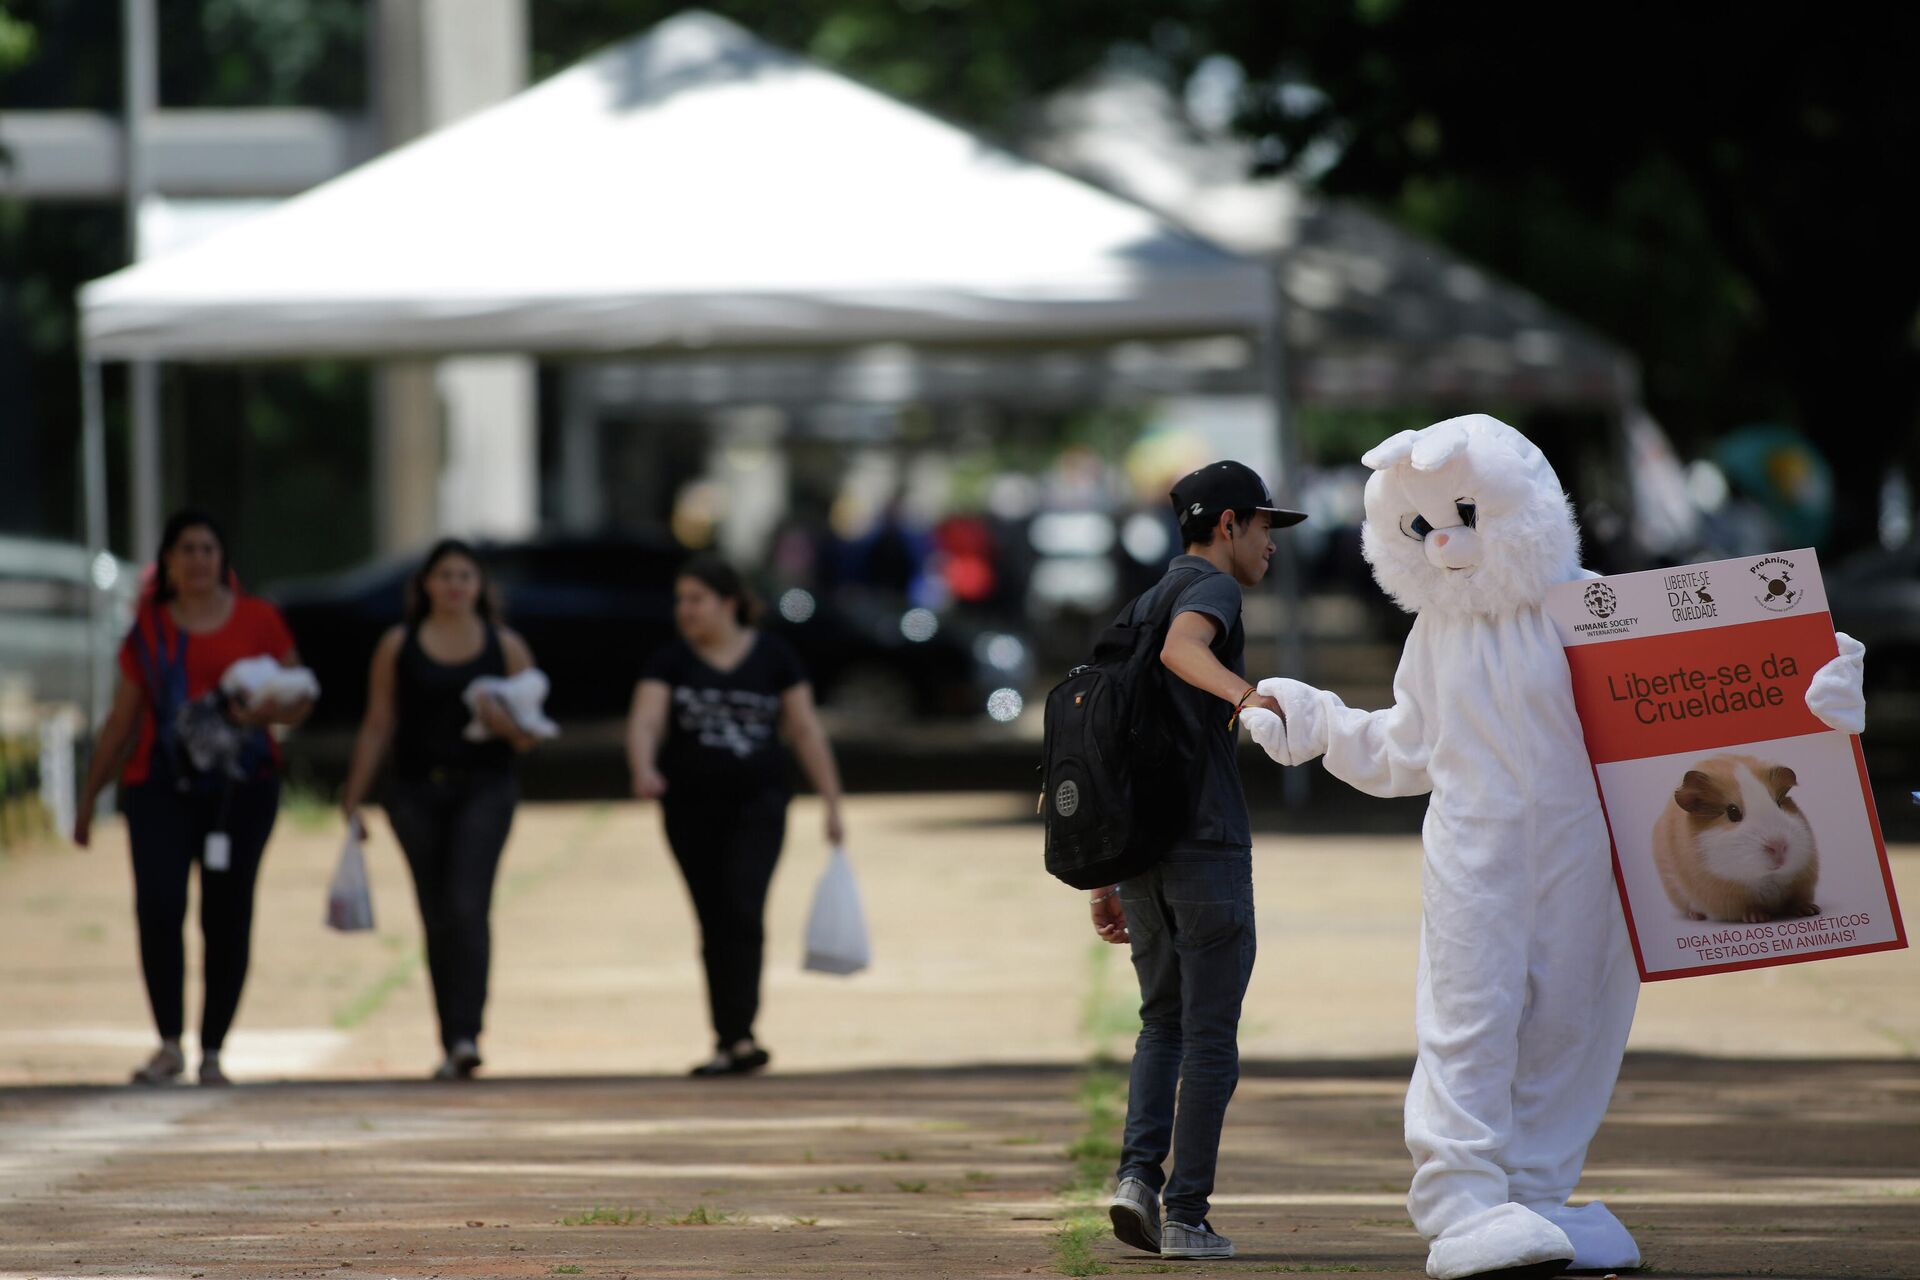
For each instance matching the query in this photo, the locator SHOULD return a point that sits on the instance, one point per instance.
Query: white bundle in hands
(524, 696)
(262, 681)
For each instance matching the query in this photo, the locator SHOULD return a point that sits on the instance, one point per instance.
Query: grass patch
(848, 1188)
(1110, 1011)
(308, 807)
(975, 1175)
(368, 1000)
(895, 1157)
(799, 1221)
(911, 1188)
(701, 1216)
(571, 1269)
(602, 1216)
(1073, 1246)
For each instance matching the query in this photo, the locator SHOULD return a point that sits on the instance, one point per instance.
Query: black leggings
(727, 848)
(168, 832)
(453, 833)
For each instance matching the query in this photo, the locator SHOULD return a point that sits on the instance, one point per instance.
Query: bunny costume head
(1466, 516)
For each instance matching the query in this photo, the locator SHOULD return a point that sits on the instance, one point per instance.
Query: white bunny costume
(1526, 983)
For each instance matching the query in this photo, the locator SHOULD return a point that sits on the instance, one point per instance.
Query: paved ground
(923, 1116)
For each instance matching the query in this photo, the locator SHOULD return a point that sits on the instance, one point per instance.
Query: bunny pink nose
(1776, 852)
(1439, 539)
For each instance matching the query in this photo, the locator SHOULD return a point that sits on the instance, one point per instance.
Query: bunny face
(1466, 516)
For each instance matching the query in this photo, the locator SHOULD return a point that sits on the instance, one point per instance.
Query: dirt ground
(921, 1118)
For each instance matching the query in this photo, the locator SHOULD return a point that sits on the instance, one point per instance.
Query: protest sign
(1744, 832)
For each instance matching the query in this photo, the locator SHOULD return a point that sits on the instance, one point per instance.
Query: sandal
(166, 1065)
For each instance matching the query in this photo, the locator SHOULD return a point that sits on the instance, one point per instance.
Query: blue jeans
(1191, 920)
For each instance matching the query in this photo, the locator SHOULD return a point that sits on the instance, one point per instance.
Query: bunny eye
(1415, 527)
(1733, 813)
(1468, 512)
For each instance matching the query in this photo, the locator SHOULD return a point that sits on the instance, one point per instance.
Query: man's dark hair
(1198, 531)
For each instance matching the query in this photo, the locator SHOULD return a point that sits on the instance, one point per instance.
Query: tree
(1717, 193)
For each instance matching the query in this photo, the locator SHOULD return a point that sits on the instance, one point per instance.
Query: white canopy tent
(693, 188)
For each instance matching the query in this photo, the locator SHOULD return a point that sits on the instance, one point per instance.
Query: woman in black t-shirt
(450, 800)
(704, 739)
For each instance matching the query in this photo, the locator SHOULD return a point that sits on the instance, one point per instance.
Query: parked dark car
(594, 608)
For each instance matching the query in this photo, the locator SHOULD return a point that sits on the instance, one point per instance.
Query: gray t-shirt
(1217, 807)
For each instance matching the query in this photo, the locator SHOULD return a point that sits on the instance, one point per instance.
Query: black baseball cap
(1227, 486)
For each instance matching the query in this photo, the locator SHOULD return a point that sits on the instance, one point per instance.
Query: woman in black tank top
(450, 800)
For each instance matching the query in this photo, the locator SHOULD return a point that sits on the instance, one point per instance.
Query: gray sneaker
(1135, 1211)
(1183, 1240)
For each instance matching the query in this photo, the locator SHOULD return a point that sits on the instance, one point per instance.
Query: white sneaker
(1185, 1240)
(1135, 1212)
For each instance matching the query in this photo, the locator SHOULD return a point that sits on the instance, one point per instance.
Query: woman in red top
(202, 783)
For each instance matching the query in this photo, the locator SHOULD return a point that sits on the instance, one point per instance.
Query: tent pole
(93, 467)
(1289, 651)
(144, 464)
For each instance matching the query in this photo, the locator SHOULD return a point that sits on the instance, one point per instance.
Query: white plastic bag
(836, 926)
(349, 897)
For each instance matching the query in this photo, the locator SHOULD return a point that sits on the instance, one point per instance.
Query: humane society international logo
(1603, 604)
(1777, 591)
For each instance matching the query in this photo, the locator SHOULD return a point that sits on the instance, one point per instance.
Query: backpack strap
(1161, 619)
(159, 666)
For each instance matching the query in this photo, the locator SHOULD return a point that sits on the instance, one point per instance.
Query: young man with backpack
(1188, 915)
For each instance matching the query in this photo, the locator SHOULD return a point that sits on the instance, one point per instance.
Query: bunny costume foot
(1601, 1242)
(1506, 1240)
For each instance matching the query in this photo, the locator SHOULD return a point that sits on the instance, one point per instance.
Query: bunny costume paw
(1270, 732)
(1836, 695)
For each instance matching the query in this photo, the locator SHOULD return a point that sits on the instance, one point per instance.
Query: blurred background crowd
(912, 309)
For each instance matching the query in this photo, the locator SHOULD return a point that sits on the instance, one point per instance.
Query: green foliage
(1073, 1246)
(17, 42)
(602, 1217)
(701, 1216)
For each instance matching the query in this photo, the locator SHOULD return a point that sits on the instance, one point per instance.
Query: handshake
(1298, 733)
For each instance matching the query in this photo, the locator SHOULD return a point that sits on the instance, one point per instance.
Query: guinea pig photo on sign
(1733, 844)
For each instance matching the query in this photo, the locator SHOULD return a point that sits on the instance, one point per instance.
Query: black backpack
(1113, 791)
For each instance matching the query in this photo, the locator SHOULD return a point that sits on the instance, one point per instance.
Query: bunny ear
(1439, 445)
(1390, 452)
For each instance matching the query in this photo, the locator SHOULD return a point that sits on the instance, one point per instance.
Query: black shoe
(728, 1063)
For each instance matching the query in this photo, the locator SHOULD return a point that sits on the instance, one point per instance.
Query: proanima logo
(1777, 591)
